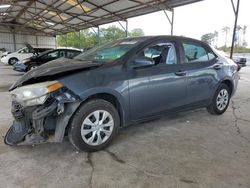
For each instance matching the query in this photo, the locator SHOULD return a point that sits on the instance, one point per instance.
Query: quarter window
(196, 53)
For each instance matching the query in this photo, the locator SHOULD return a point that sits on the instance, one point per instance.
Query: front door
(160, 87)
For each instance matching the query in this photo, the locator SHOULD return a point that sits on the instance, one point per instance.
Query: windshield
(110, 51)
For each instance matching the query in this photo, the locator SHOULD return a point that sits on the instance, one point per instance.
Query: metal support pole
(66, 39)
(172, 23)
(126, 28)
(98, 35)
(79, 38)
(36, 41)
(14, 38)
(236, 12)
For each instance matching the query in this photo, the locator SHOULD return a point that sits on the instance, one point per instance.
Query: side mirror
(143, 62)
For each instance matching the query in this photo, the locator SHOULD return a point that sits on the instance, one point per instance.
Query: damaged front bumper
(42, 123)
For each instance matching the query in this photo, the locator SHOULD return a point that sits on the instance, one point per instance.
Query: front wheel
(12, 61)
(94, 125)
(31, 67)
(220, 100)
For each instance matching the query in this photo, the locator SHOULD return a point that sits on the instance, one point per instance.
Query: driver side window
(24, 51)
(53, 54)
(161, 53)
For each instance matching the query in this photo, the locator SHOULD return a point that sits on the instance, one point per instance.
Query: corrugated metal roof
(62, 16)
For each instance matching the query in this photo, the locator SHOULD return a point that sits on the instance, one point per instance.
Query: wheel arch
(113, 99)
(226, 81)
(12, 58)
(73, 107)
(229, 84)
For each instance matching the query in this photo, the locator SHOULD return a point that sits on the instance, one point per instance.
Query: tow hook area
(29, 126)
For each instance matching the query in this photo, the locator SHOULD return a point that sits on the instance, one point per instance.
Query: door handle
(217, 66)
(181, 73)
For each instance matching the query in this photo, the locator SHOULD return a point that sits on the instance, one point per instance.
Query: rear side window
(61, 53)
(196, 53)
(71, 54)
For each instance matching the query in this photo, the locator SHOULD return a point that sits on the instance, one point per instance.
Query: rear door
(199, 62)
(72, 53)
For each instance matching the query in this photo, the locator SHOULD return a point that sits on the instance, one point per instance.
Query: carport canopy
(62, 16)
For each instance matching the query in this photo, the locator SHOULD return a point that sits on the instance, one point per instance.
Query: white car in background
(21, 54)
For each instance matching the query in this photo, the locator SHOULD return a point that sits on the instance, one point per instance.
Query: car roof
(170, 37)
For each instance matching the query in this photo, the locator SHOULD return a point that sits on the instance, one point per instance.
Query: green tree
(87, 38)
(216, 35)
(226, 30)
(136, 33)
(244, 29)
(111, 33)
(238, 35)
(81, 39)
(208, 38)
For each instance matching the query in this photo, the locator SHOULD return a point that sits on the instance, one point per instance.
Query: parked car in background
(240, 60)
(3, 52)
(21, 54)
(35, 61)
(117, 84)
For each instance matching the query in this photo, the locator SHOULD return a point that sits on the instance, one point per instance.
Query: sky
(196, 19)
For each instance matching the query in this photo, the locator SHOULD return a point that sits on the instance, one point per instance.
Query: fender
(227, 78)
(123, 103)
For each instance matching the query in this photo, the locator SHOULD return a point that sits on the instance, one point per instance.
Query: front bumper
(4, 60)
(41, 123)
(20, 67)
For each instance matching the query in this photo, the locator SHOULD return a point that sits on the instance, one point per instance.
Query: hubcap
(222, 99)
(13, 61)
(97, 127)
(33, 67)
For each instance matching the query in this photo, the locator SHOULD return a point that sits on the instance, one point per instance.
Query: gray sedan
(117, 84)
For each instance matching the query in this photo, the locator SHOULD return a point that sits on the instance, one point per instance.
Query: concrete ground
(189, 150)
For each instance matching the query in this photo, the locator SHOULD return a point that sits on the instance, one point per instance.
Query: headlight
(34, 94)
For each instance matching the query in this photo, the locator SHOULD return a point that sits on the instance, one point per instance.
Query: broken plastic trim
(28, 126)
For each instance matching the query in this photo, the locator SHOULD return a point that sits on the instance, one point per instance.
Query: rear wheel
(12, 61)
(94, 125)
(220, 100)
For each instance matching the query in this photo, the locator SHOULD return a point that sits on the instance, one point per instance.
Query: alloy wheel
(97, 127)
(222, 99)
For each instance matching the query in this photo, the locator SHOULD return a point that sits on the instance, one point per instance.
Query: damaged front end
(41, 112)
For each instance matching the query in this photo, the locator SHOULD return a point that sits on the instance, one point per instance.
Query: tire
(32, 66)
(220, 101)
(84, 130)
(12, 61)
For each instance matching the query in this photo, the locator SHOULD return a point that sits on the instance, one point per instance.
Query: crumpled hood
(53, 69)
